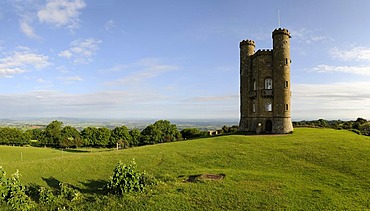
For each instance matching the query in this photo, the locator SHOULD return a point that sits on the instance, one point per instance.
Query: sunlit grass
(310, 169)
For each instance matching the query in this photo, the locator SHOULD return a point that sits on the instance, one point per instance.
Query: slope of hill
(310, 169)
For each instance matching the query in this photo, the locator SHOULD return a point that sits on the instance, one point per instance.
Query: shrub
(355, 131)
(13, 192)
(126, 178)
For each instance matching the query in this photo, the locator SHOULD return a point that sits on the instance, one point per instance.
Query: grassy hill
(310, 169)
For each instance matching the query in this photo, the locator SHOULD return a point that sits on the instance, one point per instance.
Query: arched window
(254, 85)
(268, 83)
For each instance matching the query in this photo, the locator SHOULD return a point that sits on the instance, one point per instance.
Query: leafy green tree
(135, 137)
(53, 133)
(13, 136)
(365, 129)
(103, 137)
(189, 133)
(150, 135)
(161, 131)
(70, 137)
(98, 137)
(89, 136)
(120, 134)
(361, 120)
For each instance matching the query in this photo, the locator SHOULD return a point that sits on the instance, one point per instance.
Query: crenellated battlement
(247, 42)
(261, 52)
(281, 31)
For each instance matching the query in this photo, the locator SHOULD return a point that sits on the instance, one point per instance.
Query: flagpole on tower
(279, 18)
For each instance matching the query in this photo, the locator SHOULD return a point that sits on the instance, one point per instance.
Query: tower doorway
(268, 126)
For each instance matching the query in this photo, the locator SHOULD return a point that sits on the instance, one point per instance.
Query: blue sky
(176, 59)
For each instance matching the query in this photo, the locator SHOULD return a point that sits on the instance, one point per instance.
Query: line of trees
(57, 135)
(361, 126)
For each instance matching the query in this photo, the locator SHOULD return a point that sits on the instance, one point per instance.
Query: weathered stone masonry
(265, 94)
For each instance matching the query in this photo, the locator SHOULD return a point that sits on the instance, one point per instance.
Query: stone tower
(265, 104)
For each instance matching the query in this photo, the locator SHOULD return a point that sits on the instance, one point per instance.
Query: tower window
(268, 106)
(286, 107)
(286, 61)
(254, 107)
(268, 83)
(254, 85)
(286, 84)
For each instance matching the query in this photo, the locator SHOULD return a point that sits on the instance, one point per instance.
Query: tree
(135, 137)
(365, 129)
(53, 133)
(189, 133)
(160, 131)
(88, 136)
(12, 136)
(70, 137)
(103, 136)
(96, 136)
(120, 134)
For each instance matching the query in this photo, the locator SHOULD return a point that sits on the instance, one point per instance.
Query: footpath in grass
(310, 169)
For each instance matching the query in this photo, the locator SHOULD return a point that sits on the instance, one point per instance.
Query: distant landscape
(80, 123)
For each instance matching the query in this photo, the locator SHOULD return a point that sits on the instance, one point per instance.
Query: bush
(355, 131)
(13, 192)
(126, 178)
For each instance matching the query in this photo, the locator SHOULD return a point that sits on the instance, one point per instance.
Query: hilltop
(314, 169)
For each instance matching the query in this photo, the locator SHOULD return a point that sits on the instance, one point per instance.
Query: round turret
(281, 69)
(247, 47)
(281, 31)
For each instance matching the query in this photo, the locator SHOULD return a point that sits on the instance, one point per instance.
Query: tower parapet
(281, 31)
(247, 42)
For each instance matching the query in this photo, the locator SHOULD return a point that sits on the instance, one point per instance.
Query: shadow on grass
(74, 150)
(94, 187)
(91, 187)
(52, 182)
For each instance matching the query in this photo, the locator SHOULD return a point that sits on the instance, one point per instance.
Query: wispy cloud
(27, 29)
(210, 99)
(62, 13)
(307, 36)
(70, 79)
(142, 70)
(22, 60)
(109, 25)
(81, 51)
(332, 101)
(358, 70)
(356, 54)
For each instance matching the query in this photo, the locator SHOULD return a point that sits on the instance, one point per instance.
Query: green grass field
(312, 169)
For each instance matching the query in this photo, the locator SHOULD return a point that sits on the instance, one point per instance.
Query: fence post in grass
(21, 156)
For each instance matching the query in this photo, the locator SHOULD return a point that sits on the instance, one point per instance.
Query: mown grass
(317, 169)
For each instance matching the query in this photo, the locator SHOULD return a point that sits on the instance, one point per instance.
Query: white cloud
(27, 29)
(113, 104)
(62, 13)
(22, 60)
(356, 54)
(359, 70)
(142, 70)
(109, 25)
(331, 101)
(306, 36)
(70, 79)
(81, 51)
